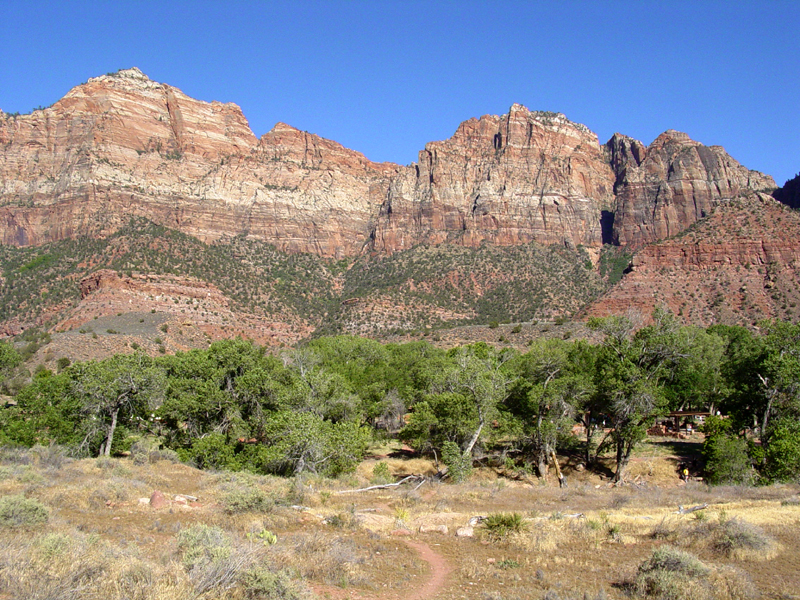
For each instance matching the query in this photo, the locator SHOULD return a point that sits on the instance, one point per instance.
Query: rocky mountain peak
(123, 144)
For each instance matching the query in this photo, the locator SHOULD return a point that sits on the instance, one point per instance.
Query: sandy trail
(440, 570)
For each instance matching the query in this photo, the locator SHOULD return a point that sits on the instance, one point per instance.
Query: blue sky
(384, 78)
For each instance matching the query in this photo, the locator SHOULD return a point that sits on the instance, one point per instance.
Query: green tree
(45, 413)
(545, 396)
(477, 375)
(299, 442)
(631, 366)
(726, 455)
(121, 388)
(782, 454)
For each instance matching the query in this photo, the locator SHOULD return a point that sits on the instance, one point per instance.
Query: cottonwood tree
(115, 390)
(477, 374)
(545, 396)
(631, 366)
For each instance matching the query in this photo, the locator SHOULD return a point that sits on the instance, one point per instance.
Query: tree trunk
(474, 440)
(588, 449)
(541, 464)
(623, 457)
(111, 429)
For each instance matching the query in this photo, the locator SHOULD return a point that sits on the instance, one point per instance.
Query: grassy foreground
(82, 529)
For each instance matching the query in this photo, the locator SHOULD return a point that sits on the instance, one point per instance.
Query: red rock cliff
(122, 145)
(524, 176)
(664, 188)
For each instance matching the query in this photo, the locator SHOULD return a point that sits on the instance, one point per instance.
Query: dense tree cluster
(317, 407)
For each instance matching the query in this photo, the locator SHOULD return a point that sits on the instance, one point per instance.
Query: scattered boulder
(401, 532)
(158, 500)
(465, 532)
(433, 529)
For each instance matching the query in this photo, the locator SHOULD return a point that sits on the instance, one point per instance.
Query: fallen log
(685, 511)
(418, 478)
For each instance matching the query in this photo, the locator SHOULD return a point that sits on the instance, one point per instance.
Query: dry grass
(100, 542)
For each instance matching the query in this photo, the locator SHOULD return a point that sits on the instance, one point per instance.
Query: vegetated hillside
(739, 265)
(441, 286)
(249, 288)
(44, 285)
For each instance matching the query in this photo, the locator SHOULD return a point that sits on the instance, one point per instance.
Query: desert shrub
(342, 520)
(202, 543)
(334, 560)
(247, 499)
(499, 525)
(459, 463)
(671, 574)
(736, 538)
(381, 473)
(261, 583)
(674, 560)
(19, 511)
(51, 456)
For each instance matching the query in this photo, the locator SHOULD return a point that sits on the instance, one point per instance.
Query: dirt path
(440, 570)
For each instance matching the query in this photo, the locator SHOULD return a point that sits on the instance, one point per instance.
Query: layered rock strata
(122, 145)
(520, 177)
(738, 266)
(664, 188)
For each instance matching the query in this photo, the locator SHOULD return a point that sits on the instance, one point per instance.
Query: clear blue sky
(384, 78)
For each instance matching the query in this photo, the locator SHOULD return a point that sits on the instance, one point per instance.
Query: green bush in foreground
(247, 499)
(499, 525)
(19, 511)
(202, 543)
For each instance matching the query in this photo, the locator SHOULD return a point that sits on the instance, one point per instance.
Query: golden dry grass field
(253, 537)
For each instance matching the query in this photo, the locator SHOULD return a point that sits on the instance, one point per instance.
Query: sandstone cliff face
(738, 266)
(123, 145)
(524, 176)
(664, 188)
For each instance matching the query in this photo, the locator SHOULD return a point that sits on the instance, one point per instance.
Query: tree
(780, 374)
(318, 390)
(122, 387)
(45, 413)
(727, 460)
(478, 376)
(545, 396)
(782, 454)
(630, 369)
(298, 442)
(9, 358)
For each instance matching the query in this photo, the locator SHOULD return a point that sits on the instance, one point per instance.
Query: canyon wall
(122, 145)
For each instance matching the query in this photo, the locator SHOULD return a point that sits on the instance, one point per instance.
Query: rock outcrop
(122, 145)
(738, 266)
(520, 177)
(789, 194)
(664, 188)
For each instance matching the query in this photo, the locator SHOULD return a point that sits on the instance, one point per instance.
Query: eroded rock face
(122, 145)
(664, 188)
(520, 177)
(738, 266)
